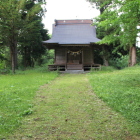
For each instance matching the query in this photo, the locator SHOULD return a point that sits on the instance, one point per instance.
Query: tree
(101, 4)
(101, 32)
(126, 14)
(30, 41)
(11, 23)
(117, 24)
(31, 47)
(130, 19)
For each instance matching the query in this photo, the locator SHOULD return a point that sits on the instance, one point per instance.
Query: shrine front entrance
(74, 59)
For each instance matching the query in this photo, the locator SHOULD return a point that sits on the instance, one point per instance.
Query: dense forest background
(22, 33)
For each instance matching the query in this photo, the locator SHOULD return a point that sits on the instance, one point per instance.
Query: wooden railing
(56, 67)
(92, 66)
(85, 67)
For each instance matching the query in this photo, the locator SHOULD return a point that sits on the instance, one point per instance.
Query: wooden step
(74, 67)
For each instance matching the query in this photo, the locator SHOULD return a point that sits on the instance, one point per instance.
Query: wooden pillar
(55, 56)
(93, 54)
(66, 55)
(82, 58)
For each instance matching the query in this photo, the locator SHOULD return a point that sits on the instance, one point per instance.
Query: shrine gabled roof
(73, 32)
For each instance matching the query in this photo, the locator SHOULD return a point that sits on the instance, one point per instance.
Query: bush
(49, 57)
(103, 69)
(107, 68)
(43, 68)
(2, 65)
(119, 63)
(138, 56)
(3, 70)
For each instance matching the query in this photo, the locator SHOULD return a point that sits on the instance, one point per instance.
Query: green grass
(16, 97)
(121, 91)
(67, 109)
(35, 107)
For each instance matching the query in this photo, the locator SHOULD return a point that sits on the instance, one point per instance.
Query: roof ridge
(71, 23)
(73, 19)
(77, 21)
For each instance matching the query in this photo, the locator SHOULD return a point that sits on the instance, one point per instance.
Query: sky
(68, 9)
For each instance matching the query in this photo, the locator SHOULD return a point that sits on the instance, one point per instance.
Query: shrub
(2, 65)
(119, 63)
(107, 68)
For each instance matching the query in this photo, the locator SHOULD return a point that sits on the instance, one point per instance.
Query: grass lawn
(16, 97)
(67, 109)
(121, 91)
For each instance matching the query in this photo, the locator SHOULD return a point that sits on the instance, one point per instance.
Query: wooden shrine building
(74, 42)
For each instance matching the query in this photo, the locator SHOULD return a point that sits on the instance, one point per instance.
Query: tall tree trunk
(24, 57)
(105, 61)
(132, 56)
(12, 58)
(16, 59)
(13, 50)
(105, 56)
(101, 10)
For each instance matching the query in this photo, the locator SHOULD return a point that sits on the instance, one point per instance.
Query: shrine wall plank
(88, 56)
(60, 56)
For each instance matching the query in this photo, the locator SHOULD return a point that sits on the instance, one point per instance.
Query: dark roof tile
(78, 33)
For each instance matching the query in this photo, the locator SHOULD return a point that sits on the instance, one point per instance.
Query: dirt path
(67, 109)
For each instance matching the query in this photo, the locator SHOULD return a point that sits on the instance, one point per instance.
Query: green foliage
(138, 56)
(129, 19)
(26, 112)
(101, 4)
(119, 63)
(120, 90)
(43, 68)
(48, 58)
(16, 96)
(103, 69)
(31, 44)
(117, 24)
(2, 65)
(107, 68)
(110, 27)
(21, 24)
(3, 68)
(121, 20)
